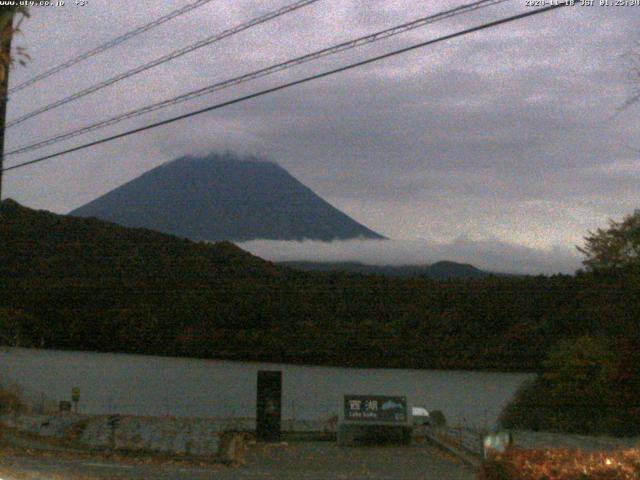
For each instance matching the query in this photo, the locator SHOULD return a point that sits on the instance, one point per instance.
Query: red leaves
(517, 464)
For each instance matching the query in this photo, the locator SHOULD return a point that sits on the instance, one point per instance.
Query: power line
(381, 35)
(291, 84)
(110, 44)
(166, 58)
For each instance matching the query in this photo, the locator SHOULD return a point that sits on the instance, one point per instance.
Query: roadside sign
(75, 394)
(496, 442)
(375, 408)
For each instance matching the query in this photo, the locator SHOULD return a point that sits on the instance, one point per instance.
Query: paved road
(295, 461)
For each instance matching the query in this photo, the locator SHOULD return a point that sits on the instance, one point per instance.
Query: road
(294, 461)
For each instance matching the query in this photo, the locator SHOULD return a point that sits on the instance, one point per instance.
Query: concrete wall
(152, 434)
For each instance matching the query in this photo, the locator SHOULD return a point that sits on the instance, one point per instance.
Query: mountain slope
(438, 271)
(224, 197)
(85, 284)
(42, 246)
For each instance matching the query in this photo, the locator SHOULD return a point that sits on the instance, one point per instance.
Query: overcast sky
(510, 135)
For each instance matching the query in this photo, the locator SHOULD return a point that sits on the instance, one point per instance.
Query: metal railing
(468, 440)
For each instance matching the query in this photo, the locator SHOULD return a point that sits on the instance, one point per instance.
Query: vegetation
(10, 400)
(84, 284)
(617, 247)
(591, 383)
(72, 283)
(586, 387)
(438, 271)
(9, 27)
(517, 464)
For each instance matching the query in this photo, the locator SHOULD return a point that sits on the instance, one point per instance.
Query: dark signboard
(375, 408)
(269, 405)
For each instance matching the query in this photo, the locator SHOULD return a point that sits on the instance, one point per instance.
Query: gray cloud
(509, 134)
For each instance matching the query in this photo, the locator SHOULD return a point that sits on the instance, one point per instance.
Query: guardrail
(466, 438)
(464, 443)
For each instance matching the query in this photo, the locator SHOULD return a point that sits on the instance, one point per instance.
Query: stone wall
(152, 434)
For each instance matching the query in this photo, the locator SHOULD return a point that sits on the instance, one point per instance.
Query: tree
(7, 30)
(578, 365)
(577, 392)
(615, 248)
(19, 329)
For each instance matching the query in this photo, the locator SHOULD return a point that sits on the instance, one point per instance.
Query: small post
(75, 396)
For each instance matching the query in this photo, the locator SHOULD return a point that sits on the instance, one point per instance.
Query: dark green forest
(85, 284)
(71, 283)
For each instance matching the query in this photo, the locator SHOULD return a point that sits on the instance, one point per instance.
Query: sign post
(75, 396)
(269, 406)
(374, 419)
(375, 408)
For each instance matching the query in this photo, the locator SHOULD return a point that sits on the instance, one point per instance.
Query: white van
(420, 416)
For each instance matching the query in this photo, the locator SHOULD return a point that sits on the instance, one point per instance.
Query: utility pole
(7, 34)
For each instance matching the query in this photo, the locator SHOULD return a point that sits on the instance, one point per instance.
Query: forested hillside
(74, 283)
(443, 270)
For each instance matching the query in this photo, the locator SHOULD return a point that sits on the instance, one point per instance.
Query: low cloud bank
(490, 255)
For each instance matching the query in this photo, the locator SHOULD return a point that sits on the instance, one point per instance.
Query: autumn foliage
(518, 464)
(10, 400)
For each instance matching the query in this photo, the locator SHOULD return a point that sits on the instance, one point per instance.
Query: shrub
(517, 464)
(437, 418)
(584, 389)
(10, 400)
